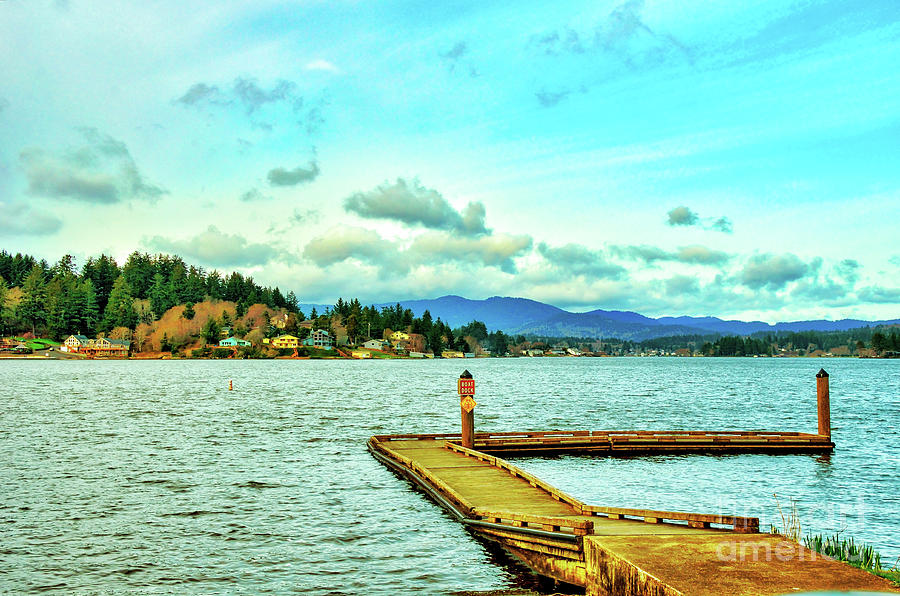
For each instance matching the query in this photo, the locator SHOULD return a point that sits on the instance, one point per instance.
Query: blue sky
(736, 159)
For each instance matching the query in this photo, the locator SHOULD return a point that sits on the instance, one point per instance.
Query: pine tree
(162, 298)
(3, 292)
(32, 308)
(120, 308)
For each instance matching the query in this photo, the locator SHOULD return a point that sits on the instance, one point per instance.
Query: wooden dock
(610, 550)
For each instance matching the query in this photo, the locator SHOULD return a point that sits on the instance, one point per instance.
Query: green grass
(39, 343)
(854, 553)
(857, 554)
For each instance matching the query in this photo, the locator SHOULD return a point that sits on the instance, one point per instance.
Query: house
(375, 344)
(452, 354)
(319, 339)
(322, 339)
(399, 336)
(286, 342)
(233, 342)
(103, 346)
(416, 342)
(75, 343)
(361, 354)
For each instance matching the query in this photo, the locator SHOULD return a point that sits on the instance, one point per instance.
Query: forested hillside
(62, 299)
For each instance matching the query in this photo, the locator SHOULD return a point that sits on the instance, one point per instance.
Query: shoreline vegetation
(157, 306)
(836, 546)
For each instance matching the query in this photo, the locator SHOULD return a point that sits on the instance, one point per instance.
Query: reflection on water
(152, 476)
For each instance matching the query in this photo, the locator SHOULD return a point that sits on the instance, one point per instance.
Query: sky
(733, 159)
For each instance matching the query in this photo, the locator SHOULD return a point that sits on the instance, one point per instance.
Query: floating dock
(614, 551)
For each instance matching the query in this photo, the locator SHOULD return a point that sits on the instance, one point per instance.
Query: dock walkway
(610, 550)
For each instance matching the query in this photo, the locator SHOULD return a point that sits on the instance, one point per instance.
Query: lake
(151, 476)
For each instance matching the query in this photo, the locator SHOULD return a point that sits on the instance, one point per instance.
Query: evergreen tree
(211, 331)
(435, 341)
(292, 305)
(162, 298)
(879, 342)
(32, 308)
(102, 272)
(188, 311)
(3, 311)
(120, 308)
(138, 272)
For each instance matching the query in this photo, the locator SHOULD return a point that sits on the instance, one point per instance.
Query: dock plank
(651, 554)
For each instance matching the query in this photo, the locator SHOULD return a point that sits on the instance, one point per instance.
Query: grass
(38, 343)
(857, 554)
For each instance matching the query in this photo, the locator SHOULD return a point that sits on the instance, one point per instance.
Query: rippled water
(153, 477)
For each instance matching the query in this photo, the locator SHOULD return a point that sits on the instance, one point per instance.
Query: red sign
(465, 386)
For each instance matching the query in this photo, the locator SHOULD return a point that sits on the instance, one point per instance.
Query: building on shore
(319, 339)
(286, 342)
(375, 344)
(233, 342)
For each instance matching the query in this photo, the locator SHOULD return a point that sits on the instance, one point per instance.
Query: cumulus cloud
(684, 216)
(298, 175)
(879, 295)
(251, 97)
(19, 219)
(694, 254)
(580, 260)
(217, 249)
(253, 195)
(491, 251)
(431, 249)
(299, 217)
(458, 50)
(680, 285)
(723, 224)
(772, 271)
(101, 170)
(453, 59)
(363, 245)
(848, 269)
(201, 93)
(552, 43)
(700, 255)
(548, 99)
(413, 204)
(626, 33)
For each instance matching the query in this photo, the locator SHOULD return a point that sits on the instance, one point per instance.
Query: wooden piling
(468, 414)
(824, 403)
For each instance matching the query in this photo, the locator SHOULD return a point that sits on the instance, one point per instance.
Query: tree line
(881, 340)
(60, 299)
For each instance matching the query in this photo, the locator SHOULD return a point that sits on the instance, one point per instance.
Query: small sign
(468, 404)
(465, 386)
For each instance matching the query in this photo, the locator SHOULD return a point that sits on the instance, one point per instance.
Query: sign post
(465, 386)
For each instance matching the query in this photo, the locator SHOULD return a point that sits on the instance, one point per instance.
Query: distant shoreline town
(157, 306)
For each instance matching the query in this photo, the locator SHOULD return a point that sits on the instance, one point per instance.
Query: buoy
(231, 385)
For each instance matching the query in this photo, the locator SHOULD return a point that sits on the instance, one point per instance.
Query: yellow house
(399, 336)
(286, 341)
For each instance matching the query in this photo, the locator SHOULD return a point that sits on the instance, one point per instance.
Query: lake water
(153, 477)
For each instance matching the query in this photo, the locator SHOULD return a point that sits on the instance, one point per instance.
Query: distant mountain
(496, 313)
(520, 316)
